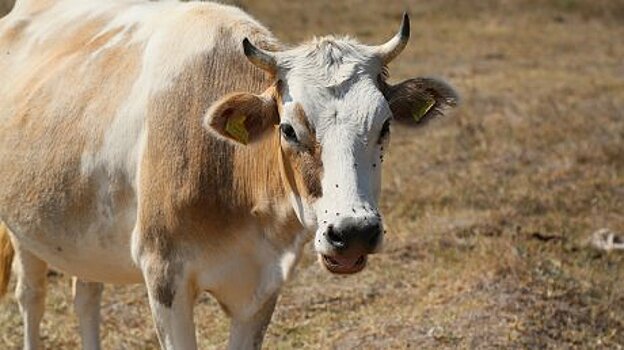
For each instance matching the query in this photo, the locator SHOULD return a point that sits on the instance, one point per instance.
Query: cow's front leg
(87, 299)
(247, 332)
(171, 297)
(30, 293)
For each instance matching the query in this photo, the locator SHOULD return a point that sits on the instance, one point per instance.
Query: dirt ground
(489, 209)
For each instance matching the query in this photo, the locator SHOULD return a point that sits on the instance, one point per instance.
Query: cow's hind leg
(87, 298)
(30, 293)
(248, 332)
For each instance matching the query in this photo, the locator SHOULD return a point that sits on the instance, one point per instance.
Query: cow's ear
(415, 101)
(243, 117)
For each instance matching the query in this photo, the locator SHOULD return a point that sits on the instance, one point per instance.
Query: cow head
(334, 110)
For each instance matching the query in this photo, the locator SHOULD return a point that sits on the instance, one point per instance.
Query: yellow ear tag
(236, 128)
(420, 110)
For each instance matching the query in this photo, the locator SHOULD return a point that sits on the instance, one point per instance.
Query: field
(490, 209)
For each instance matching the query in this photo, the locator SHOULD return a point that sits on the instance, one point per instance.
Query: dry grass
(488, 209)
(6, 6)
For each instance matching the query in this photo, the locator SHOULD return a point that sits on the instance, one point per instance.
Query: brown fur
(260, 112)
(194, 186)
(218, 186)
(6, 259)
(45, 116)
(307, 163)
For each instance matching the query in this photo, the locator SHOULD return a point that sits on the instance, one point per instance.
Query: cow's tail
(6, 258)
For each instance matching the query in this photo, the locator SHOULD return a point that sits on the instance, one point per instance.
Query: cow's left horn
(388, 51)
(260, 58)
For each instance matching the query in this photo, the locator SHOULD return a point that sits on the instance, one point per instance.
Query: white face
(347, 117)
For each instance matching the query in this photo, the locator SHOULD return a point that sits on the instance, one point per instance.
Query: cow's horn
(388, 51)
(260, 58)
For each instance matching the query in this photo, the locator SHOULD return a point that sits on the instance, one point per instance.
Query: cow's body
(116, 102)
(101, 109)
(109, 174)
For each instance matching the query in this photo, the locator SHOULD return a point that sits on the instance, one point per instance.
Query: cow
(182, 146)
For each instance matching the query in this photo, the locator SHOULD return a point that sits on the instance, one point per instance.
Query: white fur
(30, 294)
(87, 298)
(347, 110)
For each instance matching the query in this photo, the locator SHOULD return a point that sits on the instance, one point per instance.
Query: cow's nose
(366, 234)
(352, 233)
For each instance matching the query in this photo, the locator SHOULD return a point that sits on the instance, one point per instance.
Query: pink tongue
(344, 261)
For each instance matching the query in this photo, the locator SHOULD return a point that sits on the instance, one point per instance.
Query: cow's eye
(385, 131)
(288, 132)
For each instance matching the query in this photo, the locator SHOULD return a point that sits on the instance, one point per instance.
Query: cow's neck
(263, 187)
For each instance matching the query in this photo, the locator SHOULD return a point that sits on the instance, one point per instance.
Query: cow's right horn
(388, 51)
(260, 58)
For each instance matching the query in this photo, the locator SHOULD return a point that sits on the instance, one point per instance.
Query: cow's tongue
(343, 260)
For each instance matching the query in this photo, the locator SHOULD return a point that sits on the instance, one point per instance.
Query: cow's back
(80, 82)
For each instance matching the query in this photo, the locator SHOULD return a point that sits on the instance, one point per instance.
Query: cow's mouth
(342, 264)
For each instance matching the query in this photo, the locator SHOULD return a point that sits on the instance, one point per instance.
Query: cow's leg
(248, 332)
(30, 293)
(87, 298)
(171, 297)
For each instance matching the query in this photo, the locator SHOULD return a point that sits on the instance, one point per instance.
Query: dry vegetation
(489, 209)
(5, 6)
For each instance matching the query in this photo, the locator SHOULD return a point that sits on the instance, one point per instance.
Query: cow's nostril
(334, 238)
(373, 239)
